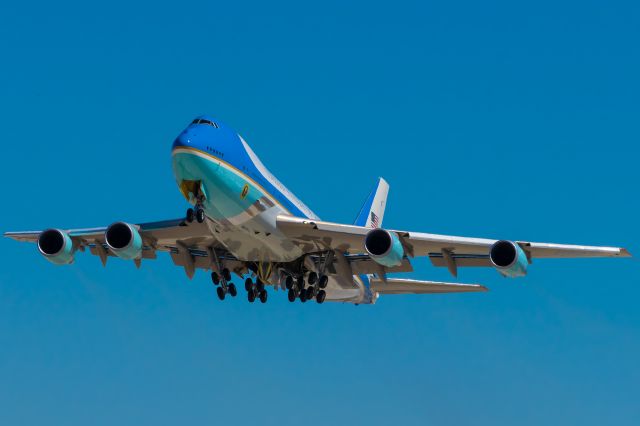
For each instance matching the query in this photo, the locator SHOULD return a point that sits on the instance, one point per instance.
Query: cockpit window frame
(205, 121)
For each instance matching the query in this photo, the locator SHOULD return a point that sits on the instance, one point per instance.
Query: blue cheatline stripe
(363, 216)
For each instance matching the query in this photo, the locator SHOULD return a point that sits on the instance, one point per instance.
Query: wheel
(310, 293)
(248, 284)
(288, 282)
(259, 285)
(215, 278)
(300, 283)
(292, 295)
(312, 278)
(321, 296)
(303, 296)
(220, 292)
(324, 280)
(233, 291)
(200, 215)
(263, 296)
(251, 296)
(226, 274)
(189, 215)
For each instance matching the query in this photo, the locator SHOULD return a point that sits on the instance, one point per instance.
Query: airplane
(245, 223)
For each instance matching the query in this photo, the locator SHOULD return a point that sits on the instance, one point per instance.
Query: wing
(190, 245)
(403, 286)
(443, 250)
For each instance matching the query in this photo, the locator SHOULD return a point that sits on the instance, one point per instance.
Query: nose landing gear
(193, 190)
(197, 214)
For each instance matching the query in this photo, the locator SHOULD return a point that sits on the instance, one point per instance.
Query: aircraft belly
(255, 240)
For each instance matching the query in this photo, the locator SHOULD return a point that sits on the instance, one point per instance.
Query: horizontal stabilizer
(406, 286)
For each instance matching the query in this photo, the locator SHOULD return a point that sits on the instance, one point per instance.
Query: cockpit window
(204, 121)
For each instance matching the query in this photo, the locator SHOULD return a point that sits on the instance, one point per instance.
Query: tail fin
(372, 210)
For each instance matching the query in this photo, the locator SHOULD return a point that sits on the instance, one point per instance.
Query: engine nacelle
(509, 259)
(384, 247)
(56, 246)
(124, 240)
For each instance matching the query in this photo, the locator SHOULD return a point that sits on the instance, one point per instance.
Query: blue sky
(490, 119)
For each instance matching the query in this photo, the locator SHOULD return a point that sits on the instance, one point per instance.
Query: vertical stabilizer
(372, 210)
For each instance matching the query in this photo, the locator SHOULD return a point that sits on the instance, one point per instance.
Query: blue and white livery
(245, 224)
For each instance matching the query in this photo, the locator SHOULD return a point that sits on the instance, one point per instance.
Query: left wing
(443, 250)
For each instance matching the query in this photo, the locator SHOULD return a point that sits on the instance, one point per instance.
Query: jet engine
(509, 259)
(124, 240)
(384, 247)
(56, 246)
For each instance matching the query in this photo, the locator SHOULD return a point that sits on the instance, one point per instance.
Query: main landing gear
(315, 290)
(225, 286)
(255, 291)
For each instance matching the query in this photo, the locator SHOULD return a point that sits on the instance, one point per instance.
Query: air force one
(245, 223)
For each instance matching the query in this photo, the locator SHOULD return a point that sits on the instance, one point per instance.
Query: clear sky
(488, 119)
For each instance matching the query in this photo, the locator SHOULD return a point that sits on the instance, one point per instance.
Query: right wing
(405, 286)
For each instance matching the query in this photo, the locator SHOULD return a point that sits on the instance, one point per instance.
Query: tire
(310, 293)
(200, 215)
(220, 292)
(259, 285)
(292, 295)
(226, 274)
(248, 284)
(215, 278)
(263, 296)
(321, 296)
(190, 215)
(288, 282)
(303, 296)
(324, 280)
(312, 278)
(300, 283)
(251, 296)
(233, 291)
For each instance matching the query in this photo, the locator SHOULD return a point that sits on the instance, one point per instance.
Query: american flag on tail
(374, 220)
